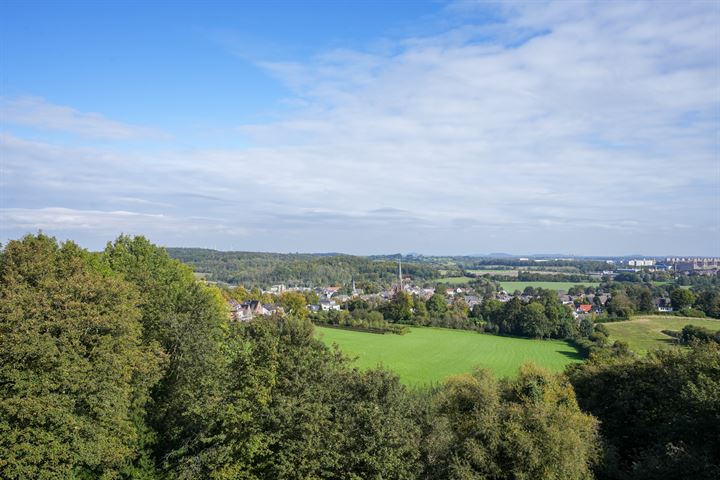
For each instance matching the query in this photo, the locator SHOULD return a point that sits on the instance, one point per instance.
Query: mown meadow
(429, 355)
(564, 286)
(644, 333)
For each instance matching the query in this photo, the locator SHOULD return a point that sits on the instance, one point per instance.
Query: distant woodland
(263, 269)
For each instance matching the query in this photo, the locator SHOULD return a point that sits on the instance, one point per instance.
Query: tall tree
(437, 305)
(190, 322)
(529, 428)
(682, 298)
(400, 308)
(74, 375)
(659, 414)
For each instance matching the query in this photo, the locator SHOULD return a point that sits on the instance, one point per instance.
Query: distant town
(599, 288)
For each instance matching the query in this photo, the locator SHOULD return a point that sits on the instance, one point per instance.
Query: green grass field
(644, 333)
(429, 355)
(512, 286)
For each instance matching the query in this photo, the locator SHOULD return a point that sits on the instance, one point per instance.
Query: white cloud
(37, 113)
(598, 134)
(108, 222)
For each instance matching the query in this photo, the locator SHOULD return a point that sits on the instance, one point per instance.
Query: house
(250, 308)
(330, 291)
(472, 300)
(277, 289)
(664, 304)
(271, 308)
(584, 308)
(503, 296)
(327, 305)
(235, 308)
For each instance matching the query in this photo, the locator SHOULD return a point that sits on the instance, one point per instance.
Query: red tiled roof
(585, 307)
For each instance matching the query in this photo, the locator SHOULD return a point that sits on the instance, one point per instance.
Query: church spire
(400, 284)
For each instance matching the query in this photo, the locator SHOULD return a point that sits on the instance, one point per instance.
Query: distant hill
(264, 269)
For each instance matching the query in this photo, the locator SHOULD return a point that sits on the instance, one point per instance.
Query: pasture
(509, 273)
(428, 355)
(644, 333)
(564, 286)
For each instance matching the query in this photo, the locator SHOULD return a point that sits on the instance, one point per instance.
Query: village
(582, 300)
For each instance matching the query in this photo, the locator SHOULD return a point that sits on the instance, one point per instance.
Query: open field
(644, 333)
(509, 273)
(428, 355)
(512, 286)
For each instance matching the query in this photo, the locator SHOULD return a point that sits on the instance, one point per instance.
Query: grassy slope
(428, 355)
(644, 333)
(512, 286)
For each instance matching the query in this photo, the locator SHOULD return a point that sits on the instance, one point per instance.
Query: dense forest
(120, 364)
(265, 269)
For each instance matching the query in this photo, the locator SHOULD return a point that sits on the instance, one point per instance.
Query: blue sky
(365, 127)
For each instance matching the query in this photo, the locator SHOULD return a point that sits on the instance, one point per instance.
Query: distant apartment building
(697, 265)
(641, 263)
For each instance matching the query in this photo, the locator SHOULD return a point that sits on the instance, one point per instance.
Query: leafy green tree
(659, 414)
(294, 303)
(512, 316)
(620, 305)
(437, 305)
(586, 327)
(645, 302)
(529, 427)
(459, 307)
(708, 301)
(311, 298)
(682, 298)
(317, 418)
(190, 322)
(534, 322)
(421, 313)
(74, 375)
(400, 308)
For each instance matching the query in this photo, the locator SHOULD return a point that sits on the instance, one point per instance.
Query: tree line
(265, 269)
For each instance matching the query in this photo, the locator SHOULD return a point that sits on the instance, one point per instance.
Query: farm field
(512, 286)
(644, 333)
(428, 355)
(509, 273)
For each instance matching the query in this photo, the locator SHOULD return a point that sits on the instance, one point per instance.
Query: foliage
(74, 375)
(189, 321)
(682, 298)
(358, 319)
(122, 364)
(264, 269)
(317, 418)
(692, 333)
(542, 317)
(659, 414)
(529, 427)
